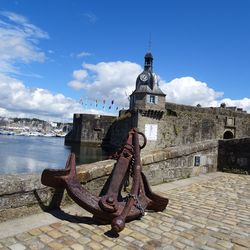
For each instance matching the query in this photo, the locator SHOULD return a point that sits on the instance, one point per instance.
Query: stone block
(147, 159)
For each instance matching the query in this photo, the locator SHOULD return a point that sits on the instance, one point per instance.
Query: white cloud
(18, 100)
(83, 54)
(76, 85)
(108, 81)
(18, 41)
(116, 80)
(80, 75)
(91, 17)
(187, 90)
(242, 103)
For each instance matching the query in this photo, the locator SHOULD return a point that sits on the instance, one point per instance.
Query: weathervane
(150, 43)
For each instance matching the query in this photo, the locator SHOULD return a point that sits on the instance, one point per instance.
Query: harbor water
(29, 154)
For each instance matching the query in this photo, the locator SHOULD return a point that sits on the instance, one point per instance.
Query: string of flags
(103, 104)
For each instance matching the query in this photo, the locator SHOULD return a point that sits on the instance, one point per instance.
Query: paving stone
(186, 242)
(117, 247)
(75, 235)
(138, 243)
(66, 240)
(8, 241)
(54, 234)
(45, 228)
(108, 243)
(23, 236)
(55, 245)
(45, 238)
(35, 232)
(34, 244)
(237, 247)
(77, 247)
(129, 239)
(225, 244)
(207, 248)
(95, 245)
(241, 242)
(127, 231)
(17, 246)
(97, 238)
(169, 247)
(215, 246)
(83, 240)
(140, 237)
(75, 226)
(183, 224)
(187, 235)
(56, 225)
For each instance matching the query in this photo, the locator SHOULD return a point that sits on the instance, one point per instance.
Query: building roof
(147, 81)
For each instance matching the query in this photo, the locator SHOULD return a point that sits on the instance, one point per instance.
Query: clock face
(144, 77)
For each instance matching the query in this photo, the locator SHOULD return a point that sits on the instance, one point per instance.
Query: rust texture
(112, 207)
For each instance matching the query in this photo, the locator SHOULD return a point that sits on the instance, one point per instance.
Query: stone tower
(147, 94)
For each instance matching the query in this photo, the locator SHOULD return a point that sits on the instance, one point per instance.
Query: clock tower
(147, 94)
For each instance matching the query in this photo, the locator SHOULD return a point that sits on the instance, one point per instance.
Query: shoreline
(33, 133)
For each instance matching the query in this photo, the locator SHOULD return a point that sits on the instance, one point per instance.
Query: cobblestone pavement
(211, 212)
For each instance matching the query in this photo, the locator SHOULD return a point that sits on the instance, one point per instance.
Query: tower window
(152, 99)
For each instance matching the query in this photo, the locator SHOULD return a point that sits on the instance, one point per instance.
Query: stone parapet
(24, 194)
(227, 111)
(178, 151)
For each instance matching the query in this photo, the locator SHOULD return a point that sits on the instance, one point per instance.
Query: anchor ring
(144, 138)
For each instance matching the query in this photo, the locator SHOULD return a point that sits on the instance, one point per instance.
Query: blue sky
(56, 52)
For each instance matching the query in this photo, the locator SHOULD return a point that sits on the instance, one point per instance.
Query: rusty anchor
(112, 207)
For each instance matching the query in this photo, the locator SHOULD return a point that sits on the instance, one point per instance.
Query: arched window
(228, 135)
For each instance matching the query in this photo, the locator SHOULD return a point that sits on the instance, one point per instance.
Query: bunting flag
(104, 104)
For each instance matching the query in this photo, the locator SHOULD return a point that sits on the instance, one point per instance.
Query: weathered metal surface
(112, 207)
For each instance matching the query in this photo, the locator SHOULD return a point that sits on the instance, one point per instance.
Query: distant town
(33, 127)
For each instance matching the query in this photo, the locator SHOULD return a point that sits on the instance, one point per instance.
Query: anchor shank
(109, 201)
(118, 223)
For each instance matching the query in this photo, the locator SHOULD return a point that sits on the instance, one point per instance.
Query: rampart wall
(234, 155)
(89, 128)
(24, 194)
(183, 124)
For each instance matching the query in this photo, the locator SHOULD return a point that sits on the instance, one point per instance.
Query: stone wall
(183, 124)
(118, 131)
(89, 128)
(24, 194)
(176, 125)
(234, 155)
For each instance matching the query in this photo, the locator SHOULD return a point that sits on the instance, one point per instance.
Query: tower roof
(147, 81)
(148, 55)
